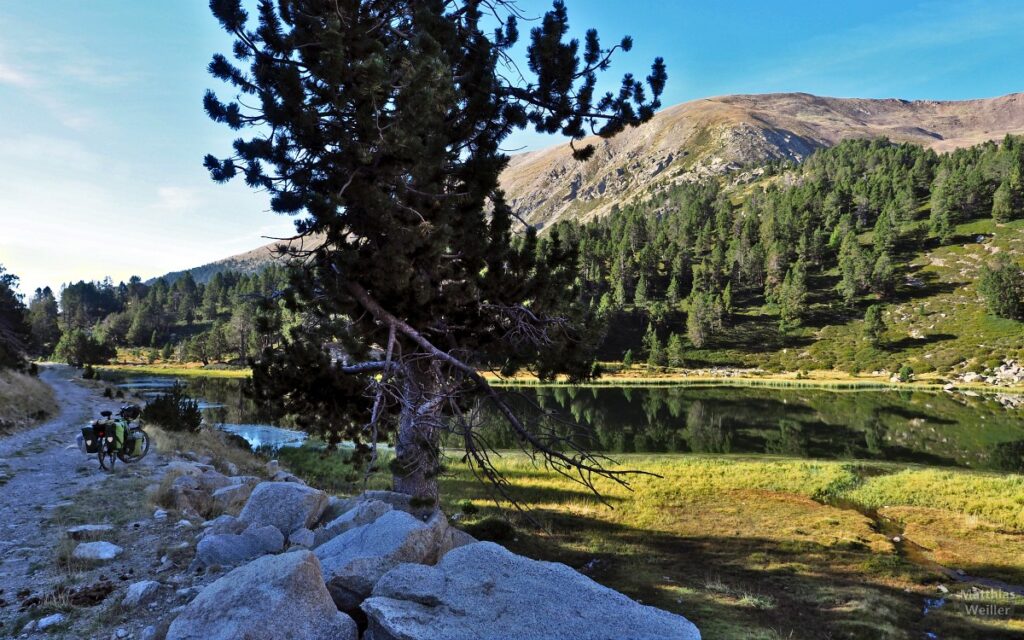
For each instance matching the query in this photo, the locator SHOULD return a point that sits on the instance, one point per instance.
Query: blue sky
(102, 131)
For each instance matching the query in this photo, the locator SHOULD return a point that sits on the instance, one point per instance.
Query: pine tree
(672, 295)
(793, 297)
(674, 351)
(381, 123)
(1007, 198)
(874, 324)
(1002, 285)
(883, 275)
(640, 295)
(42, 316)
(15, 332)
(655, 353)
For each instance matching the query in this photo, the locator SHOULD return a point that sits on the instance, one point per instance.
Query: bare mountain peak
(723, 134)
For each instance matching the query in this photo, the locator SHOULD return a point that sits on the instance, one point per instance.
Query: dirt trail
(44, 471)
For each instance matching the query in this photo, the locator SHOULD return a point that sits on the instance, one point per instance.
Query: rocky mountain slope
(729, 134)
(714, 136)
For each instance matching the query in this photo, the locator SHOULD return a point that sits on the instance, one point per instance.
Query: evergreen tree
(640, 295)
(381, 122)
(1002, 285)
(43, 319)
(655, 353)
(874, 324)
(673, 295)
(883, 275)
(793, 297)
(674, 351)
(15, 332)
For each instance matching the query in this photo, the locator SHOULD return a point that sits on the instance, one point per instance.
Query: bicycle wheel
(137, 433)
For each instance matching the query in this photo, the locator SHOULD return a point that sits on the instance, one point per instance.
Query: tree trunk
(417, 451)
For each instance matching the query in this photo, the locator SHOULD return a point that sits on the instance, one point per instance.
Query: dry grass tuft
(24, 401)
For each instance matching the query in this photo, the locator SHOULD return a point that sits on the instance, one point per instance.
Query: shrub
(906, 373)
(467, 507)
(174, 411)
(492, 528)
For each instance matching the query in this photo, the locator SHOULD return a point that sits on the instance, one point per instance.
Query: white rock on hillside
(96, 551)
(275, 597)
(285, 505)
(140, 593)
(354, 561)
(483, 586)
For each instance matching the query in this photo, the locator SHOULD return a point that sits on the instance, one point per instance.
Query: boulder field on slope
(482, 591)
(280, 597)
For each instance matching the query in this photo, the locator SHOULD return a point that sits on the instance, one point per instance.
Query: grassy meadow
(759, 547)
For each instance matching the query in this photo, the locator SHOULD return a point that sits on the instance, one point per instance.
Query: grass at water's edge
(638, 377)
(183, 370)
(754, 547)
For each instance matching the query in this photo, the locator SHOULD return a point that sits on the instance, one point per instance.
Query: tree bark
(417, 445)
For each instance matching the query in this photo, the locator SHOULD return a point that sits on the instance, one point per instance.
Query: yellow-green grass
(752, 548)
(175, 369)
(24, 400)
(756, 547)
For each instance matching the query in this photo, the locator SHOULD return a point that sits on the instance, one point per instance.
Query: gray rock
(86, 531)
(149, 633)
(483, 586)
(49, 621)
(139, 593)
(96, 551)
(119, 634)
(363, 512)
(228, 549)
(273, 597)
(354, 561)
(160, 514)
(213, 480)
(453, 538)
(225, 524)
(302, 537)
(232, 496)
(186, 468)
(285, 505)
(337, 506)
(231, 468)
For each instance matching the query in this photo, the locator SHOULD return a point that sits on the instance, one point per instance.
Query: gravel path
(44, 470)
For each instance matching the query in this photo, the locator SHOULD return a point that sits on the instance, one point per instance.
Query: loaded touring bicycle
(115, 438)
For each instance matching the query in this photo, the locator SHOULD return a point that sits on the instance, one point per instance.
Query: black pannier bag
(91, 439)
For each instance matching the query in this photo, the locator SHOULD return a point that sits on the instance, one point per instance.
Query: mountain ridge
(730, 135)
(723, 135)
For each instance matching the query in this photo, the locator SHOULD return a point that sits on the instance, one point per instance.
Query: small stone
(120, 634)
(159, 514)
(149, 633)
(183, 524)
(49, 621)
(897, 539)
(140, 593)
(942, 588)
(96, 551)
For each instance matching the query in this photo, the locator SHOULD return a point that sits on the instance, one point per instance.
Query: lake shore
(641, 376)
